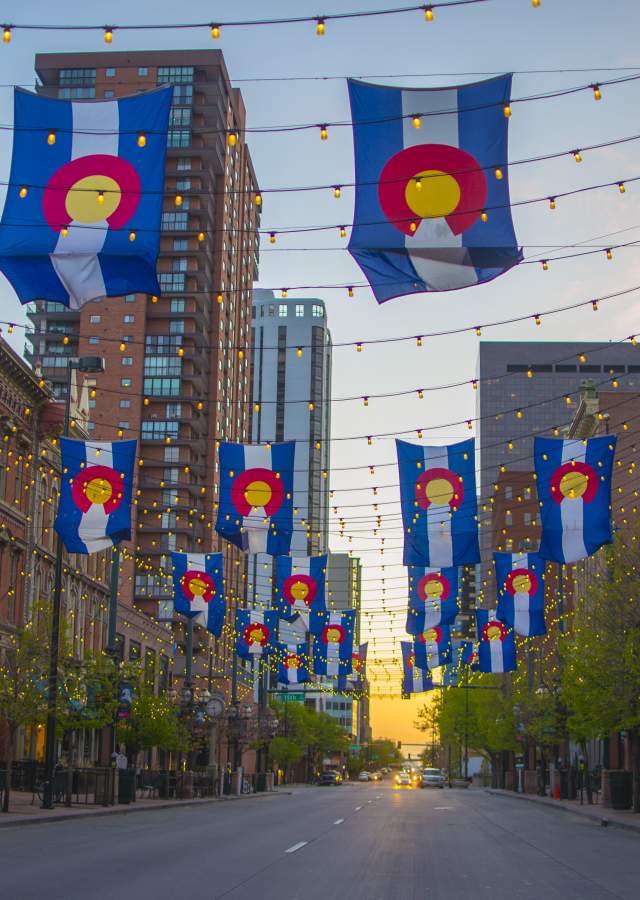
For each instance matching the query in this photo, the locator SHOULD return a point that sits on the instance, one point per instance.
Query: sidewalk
(596, 813)
(23, 813)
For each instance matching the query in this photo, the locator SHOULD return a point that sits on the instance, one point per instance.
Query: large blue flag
(95, 498)
(300, 585)
(520, 583)
(439, 504)
(433, 647)
(332, 641)
(82, 214)
(256, 632)
(432, 191)
(198, 589)
(414, 679)
(255, 510)
(496, 647)
(293, 666)
(573, 479)
(469, 655)
(433, 597)
(355, 681)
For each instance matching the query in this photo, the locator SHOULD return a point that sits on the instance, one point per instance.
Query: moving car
(377, 776)
(432, 778)
(403, 779)
(364, 776)
(330, 778)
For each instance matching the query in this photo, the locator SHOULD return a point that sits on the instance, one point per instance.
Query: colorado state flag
(255, 511)
(430, 212)
(95, 498)
(355, 681)
(293, 667)
(573, 479)
(300, 585)
(433, 647)
(414, 679)
(520, 583)
(497, 647)
(439, 505)
(198, 589)
(333, 641)
(82, 214)
(433, 598)
(255, 632)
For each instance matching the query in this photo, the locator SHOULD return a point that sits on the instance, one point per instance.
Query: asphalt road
(354, 842)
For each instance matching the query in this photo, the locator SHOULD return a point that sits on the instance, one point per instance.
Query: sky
(288, 75)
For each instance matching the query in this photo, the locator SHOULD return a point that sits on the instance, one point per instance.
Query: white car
(403, 779)
(432, 778)
(364, 776)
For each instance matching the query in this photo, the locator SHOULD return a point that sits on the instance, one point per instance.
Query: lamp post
(86, 364)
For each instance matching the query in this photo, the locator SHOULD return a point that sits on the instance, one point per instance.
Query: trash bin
(620, 786)
(261, 782)
(126, 785)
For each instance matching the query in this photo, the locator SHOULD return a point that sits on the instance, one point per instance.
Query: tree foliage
(155, 721)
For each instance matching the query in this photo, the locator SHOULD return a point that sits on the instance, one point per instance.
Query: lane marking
(297, 847)
(358, 808)
(338, 821)
(443, 807)
(378, 796)
(369, 801)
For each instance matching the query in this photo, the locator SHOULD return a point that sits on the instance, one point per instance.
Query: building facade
(176, 376)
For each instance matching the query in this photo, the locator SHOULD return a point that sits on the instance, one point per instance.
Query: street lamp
(87, 364)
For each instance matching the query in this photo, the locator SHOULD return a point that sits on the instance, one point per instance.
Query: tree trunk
(7, 786)
(587, 772)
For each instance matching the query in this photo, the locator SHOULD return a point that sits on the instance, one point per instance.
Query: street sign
(297, 697)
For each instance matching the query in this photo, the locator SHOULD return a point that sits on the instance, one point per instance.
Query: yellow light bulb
(320, 27)
(108, 35)
(349, 292)
(535, 3)
(215, 32)
(283, 293)
(537, 320)
(337, 192)
(417, 122)
(232, 139)
(299, 352)
(519, 413)
(258, 199)
(51, 137)
(324, 134)
(154, 298)
(142, 140)
(64, 231)
(365, 401)
(529, 373)
(478, 331)
(545, 265)
(180, 351)
(552, 202)
(132, 236)
(506, 110)
(201, 236)
(577, 156)
(343, 231)
(219, 298)
(597, 93)
(428, 14)
(609, 253)
(484, 216)
(123, 347)
(146, 401)
(100, 197)
(6, 34)
(499, 173)
(359, 348)
(621, 187)
(272, 237)
(23, 192)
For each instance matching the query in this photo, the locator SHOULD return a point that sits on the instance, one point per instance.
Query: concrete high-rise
(174, 378)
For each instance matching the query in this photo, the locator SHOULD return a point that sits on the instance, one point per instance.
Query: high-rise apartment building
(177, 404)
(542, 380)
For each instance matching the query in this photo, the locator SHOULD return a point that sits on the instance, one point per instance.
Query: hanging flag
(452, 671)
(439, 505)
(95, 498)
(332, 641)
(198, 589)
(293, 667)
(300, 582)
(256, 632)
(469, 655)
(355, 681)
(497, 647)
(433, 598)
(520, 582)
(82, 215)
(433, 647)
(573, 479)
(432, 201)
(256, 486)
(414, 679)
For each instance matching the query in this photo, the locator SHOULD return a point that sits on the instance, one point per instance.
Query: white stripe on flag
(497, 657)
(418, 682)
(521, 614)
(333, 649)
(256, 618)
(300, 565)
(257, 457)
(436, 129)
(93, 524)
(198, 604)
(572, 510)
(96, 129)
(438, 516)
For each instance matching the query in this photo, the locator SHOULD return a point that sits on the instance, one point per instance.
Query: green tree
(154, 722)
(285, 752)
(317, 733)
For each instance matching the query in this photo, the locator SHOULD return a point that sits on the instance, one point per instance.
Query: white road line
(338, 821)
(378, 796)
(297, 847)
(443, 807)
(358, 808)
(369, 801)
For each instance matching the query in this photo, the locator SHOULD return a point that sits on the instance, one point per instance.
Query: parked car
(376, 776)
(432, 778)
(364, 776)
(330, 778)
(403, 779)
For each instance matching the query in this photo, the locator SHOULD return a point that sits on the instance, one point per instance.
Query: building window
(184, 164)
(125, 382)
(180, 244)
(110, 73)
(162, 387)
(159, 429)
(128, 320)
(127, 360)
(135, 650)
(109, 94)
(171, 282)
(94, 320)
(179, 137)
(94, 340)
(125, 404)
(183, 184)
(508, 492)
(123, 424)
(317, 311)
(174, 221)
(143, 71)
(175, 74)
(172, 454)
(299, 310)
(130, 298)
(174, 410)
(177, 326)
(177, 306)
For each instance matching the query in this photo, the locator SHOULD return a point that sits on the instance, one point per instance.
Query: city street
(356, 841)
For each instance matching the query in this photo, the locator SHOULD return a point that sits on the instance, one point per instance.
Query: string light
(343, 231)
(349, 292)
(359, 347)
(337, 191)
(478, 331)
(232, 138)
(529, 372)
(132, 236)
(320, 27)
(272, 237)
(283, 293)
(594, 305)
(299, 352)
(324, 134)
(258, 199)
(577, 155)
(108, 35)
(545, 264)
(537, 319)
(506, 110)
(6, 34)
(519, 414)
(597, 93)
(419, 341)
(428, 14)
(621, 187)
(215, 32)
(201, 236)
(609, 253)
(51, 138)
(23, 192)
(552, 202)
(178, 200)
(499, 174)
(484, 216)
(219, 298)
(142, 140)
(365, 401)
(633, 340)
(417, 122)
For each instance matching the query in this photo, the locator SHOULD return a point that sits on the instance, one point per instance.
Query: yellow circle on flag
(258, 494)
(432, 194)
(434, 588)
(494, 633)
(439, 491)
(98, 490)
(573, 485)
(82, 201)
(522, 584)
(299, 590)
(197, 586)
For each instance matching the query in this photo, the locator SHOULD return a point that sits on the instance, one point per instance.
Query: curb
(126, 809)
(592, 816)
